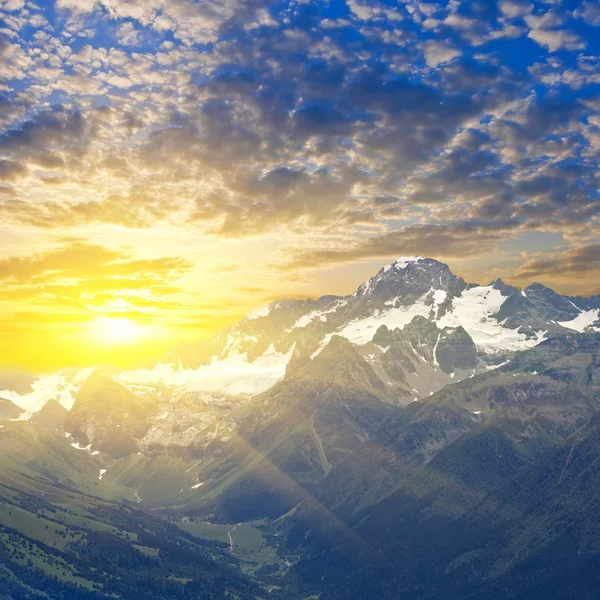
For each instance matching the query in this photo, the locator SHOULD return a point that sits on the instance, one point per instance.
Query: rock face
(51, 416)
(9, 410)
(413, 276)
(456, 351)
(108, 417)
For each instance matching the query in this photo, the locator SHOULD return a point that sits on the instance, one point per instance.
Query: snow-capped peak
(412, 292)
(405, 261)
(411, 276)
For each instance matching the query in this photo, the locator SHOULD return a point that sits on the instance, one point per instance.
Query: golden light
(116, 330)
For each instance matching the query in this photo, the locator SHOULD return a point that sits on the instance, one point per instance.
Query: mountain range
(423, 437)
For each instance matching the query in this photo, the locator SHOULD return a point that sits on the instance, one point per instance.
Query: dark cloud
(579, 261)
(461, 239)
(52, 128)
(11, 170)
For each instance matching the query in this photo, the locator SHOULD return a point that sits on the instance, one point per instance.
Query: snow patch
(87, 448)
(439, 296)
(234, 374)
(405, 261)
(324, 343)
(435, 360)
(308, 318)
(55, 386)
(474, 311)
(258, 313)
(361, 331)
(582, 321)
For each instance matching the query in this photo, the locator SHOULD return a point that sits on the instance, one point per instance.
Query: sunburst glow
(116, 330)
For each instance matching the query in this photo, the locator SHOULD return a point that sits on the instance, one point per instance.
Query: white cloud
(15, 61)
(12, 5)
(560, 39)
(128, 35)
(190, 21)
(437, 53)
(546, 21)
(515, 9)
(335, 23)
(589, 12)
(77, 5)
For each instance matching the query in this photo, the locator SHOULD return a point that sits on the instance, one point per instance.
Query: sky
(166, 166)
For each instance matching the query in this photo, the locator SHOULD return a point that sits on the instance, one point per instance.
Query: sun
(116, 330)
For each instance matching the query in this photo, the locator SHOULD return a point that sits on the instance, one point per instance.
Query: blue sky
(296, 146)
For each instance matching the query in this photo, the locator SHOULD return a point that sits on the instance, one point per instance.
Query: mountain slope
(56, 543)
(292, 436)
(9, 410)
(435, 460)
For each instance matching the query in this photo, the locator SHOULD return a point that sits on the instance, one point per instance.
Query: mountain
(57, 542)
(9, 410)
(108, 416)
(51, 416)
(304, 384)
(456, 329)
(447, 476)
(451, 330)
(369, 445)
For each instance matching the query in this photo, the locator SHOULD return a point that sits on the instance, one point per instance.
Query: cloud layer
(346, 131)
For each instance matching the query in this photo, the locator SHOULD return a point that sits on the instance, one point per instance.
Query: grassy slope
(59, 543)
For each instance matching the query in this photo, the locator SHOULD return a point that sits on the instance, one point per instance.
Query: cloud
(191, 22)
(12, 5)
(581, 261)
(460, 239)
(128, 35)
(11, 170)
(544, 21)
(588, 11)
(77, 279)
(555, 40)
(48, 129)
(233, 120)
(513, 9)
(78, 259)
(437, 53)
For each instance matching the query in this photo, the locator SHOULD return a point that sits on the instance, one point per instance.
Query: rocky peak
(51, 416)
(504, 288)
(9, 410)
(409, 277)
(550, 304)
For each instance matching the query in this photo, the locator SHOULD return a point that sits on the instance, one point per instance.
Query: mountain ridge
(484, 326)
